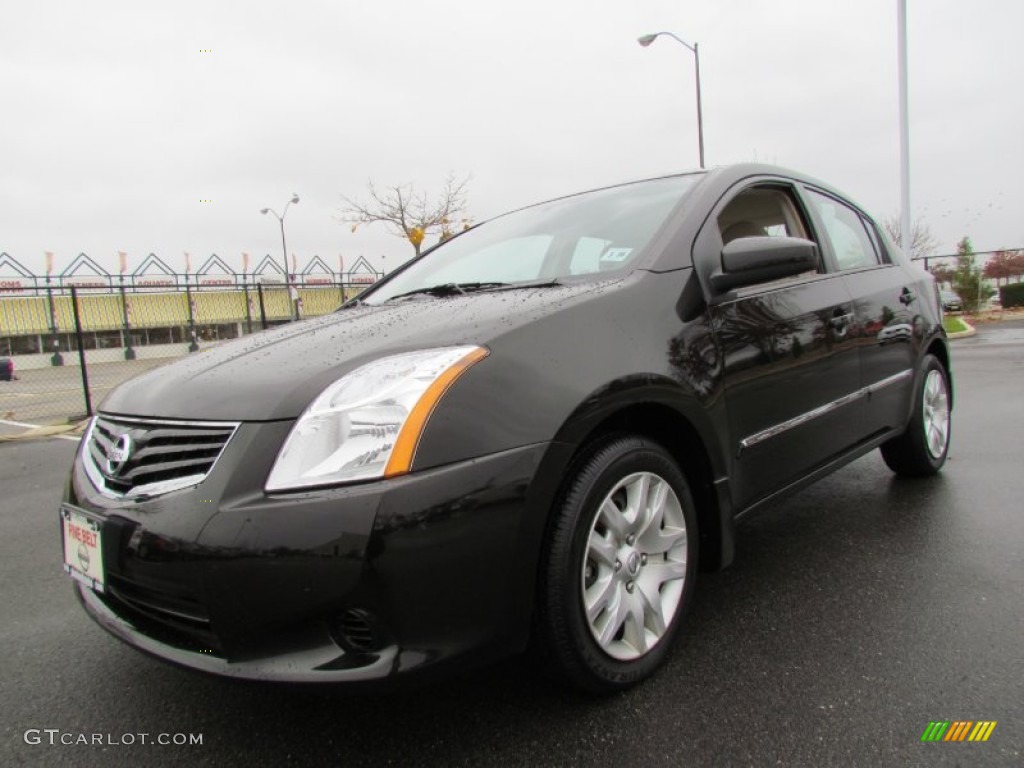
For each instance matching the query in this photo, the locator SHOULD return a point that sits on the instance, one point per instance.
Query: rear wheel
(921, 449)
(619, 566)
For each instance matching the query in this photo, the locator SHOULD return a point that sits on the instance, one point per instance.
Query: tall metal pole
(646, 40)
(906, 236)
(129, 353)
(291, 292)
(700, 113)
(248, 305)
(263, 307)
(284, 251)
(293, 302)
(80, 341)
(193, 345)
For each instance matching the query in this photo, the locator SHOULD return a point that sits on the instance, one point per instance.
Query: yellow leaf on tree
(416, 235)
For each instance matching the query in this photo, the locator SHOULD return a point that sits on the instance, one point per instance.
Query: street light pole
(700, 111)
(284, 246)
(906, 236)
(646, 40)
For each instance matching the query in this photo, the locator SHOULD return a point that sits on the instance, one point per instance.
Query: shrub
(1012, 295)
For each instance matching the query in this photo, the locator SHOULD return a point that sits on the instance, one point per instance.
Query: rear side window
(853, 247)
(876, 240)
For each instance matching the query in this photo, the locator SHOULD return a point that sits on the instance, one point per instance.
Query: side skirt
(821, 471)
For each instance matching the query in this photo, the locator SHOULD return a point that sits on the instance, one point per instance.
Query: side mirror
(753, 260)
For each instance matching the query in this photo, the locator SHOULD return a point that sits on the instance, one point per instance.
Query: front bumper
(355, 583)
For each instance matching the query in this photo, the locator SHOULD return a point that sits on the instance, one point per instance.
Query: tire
(634, 564)
(921, 449)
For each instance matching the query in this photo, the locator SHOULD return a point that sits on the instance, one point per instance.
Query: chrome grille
(143, 457)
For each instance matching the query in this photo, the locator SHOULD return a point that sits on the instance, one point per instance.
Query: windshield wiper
(460, 289)
(449, 289)
(536, 284)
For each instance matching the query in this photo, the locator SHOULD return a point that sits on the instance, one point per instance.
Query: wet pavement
(1009, 332)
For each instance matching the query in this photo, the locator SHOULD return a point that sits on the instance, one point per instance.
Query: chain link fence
(61, 351)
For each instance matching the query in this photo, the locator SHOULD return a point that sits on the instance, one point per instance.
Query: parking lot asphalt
(55, 394)
(856, 612)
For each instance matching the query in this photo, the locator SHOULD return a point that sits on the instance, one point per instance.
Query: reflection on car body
(897, 332)
(541, 427)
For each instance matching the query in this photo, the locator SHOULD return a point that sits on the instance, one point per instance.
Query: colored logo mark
(958, 730)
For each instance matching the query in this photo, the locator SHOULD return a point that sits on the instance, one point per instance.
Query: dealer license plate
(82, 548)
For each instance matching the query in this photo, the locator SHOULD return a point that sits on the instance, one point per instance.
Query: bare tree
(409, 213)
(922, 241)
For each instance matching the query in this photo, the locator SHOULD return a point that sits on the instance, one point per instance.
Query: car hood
(275, 374)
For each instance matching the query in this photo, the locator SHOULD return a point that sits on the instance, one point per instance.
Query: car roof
(723, 176)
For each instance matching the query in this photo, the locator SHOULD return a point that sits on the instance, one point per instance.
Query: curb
(971, 331)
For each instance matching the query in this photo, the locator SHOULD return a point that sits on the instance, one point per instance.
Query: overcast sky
(115, 121)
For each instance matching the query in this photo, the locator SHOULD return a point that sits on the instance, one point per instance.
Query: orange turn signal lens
(404, 452)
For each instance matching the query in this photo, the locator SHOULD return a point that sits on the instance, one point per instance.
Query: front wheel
(619, 565)
(921, 449)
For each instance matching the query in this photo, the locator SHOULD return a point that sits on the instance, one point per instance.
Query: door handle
(907, 296)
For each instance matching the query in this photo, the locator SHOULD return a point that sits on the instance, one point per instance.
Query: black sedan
(538, 429)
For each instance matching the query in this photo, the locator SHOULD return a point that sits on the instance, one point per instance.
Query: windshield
(588, 234)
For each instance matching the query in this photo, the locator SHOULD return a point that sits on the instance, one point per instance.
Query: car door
(886, 299)
(790, 367)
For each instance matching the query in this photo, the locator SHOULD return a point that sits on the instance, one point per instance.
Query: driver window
(760, 212)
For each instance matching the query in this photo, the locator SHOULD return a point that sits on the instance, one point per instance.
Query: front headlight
(368, 423)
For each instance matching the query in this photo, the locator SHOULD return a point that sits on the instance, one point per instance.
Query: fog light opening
(356, 631)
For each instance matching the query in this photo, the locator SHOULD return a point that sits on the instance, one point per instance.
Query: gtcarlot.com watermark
(57, 737)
